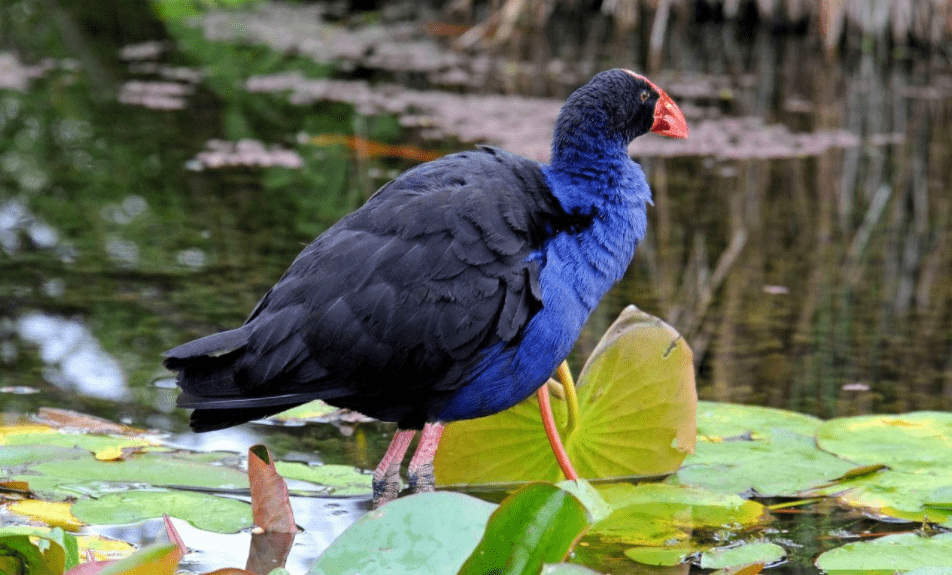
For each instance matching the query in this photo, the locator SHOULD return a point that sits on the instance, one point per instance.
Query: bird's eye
(644, 95)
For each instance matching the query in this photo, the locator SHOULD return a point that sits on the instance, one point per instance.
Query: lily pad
(544, 520)
(34, 434)
(13, 455)
(777, 464)
(660, 556)
(727, 557)
(157, 469)
(888, 555)
(717, 421)
(53, 513)
(660, 515)
(895, 494)
(208, 512)
(339, 480)
(636, 416)
(911, 441)
(425, 534)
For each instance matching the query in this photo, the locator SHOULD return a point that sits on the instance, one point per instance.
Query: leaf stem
(568, 384)
(552, 433)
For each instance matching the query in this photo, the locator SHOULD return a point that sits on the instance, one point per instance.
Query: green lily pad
(911, 441)
(726, 557)
(12, 455)
(339, 480)
(636, 416)
(660, 556)
(54, 478)
(717, 421)
(778, 464)
(544, 520)
(888, 555)
(895, 494)
(208, 512)
(88, 441)
(660, 515)
(425, 534)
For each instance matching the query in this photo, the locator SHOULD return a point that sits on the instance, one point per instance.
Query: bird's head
(617, 106)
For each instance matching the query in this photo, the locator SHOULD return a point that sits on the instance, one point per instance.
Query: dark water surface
(157, 178)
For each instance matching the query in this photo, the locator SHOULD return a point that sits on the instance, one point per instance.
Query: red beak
(668, 117)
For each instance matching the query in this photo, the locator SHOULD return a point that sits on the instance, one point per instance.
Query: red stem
(552, 432)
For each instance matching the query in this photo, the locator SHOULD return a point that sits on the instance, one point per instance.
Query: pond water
(156, 177)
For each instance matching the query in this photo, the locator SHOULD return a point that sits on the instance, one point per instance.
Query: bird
(453, 293)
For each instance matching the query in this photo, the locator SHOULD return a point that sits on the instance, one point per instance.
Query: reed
(836, 21)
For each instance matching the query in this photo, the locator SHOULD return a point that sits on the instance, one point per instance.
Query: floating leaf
(339, 480)
(47, 436)
(895, 494)
(660, 515)
(726, 557)
(636, 416)
(207, 512)
(544, 520)
(660, 556)
(717, 421)
(319, 412)
(425, 534)
(54, 514)
(13, 455)
(778, 464)
(887, 555)
(910, 441)
(56, 479)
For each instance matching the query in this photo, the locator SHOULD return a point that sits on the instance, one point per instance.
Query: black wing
(386, 310)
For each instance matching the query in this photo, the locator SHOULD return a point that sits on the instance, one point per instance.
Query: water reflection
(75, 360)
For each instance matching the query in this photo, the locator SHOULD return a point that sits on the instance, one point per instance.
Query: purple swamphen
(453, 293)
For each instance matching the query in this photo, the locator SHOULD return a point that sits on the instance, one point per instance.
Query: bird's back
(390, 310)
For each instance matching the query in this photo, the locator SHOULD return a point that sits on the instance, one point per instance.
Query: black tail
(206, 366)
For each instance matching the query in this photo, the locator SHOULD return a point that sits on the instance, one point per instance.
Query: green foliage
(543, 521)
(36, 551)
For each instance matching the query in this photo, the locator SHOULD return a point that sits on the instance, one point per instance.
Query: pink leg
(420, 472)
(386, 481)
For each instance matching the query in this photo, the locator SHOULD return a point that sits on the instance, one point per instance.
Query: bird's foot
(420, 474)
(386, 482)
(386, 488)
(421, 478)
